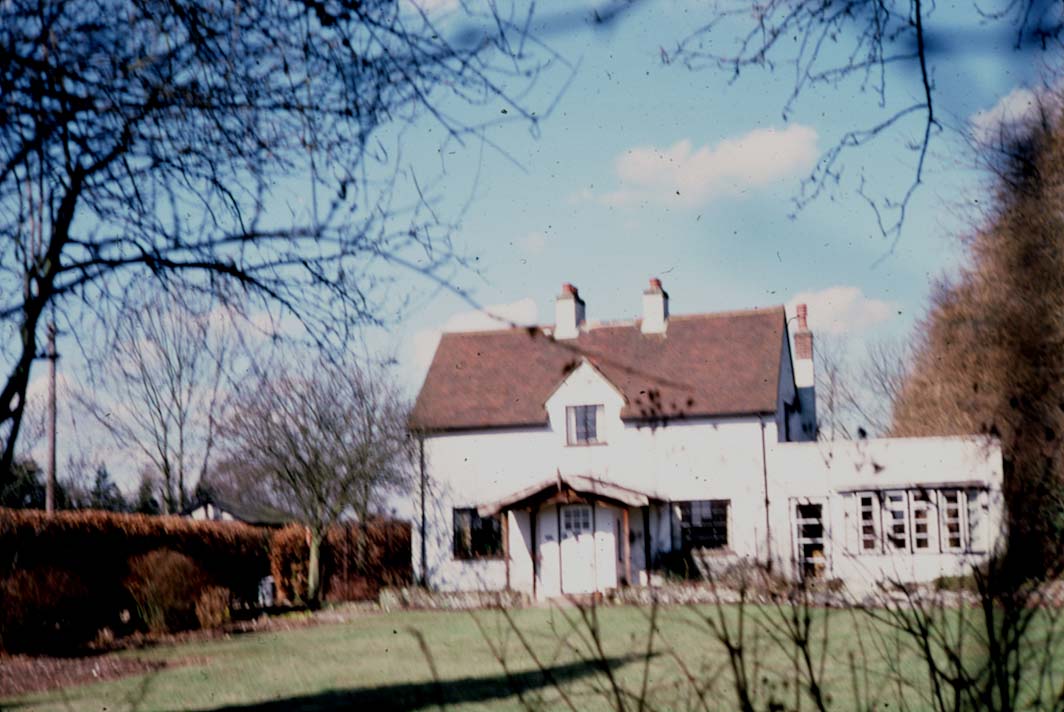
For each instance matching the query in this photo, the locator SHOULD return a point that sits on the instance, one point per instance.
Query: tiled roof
(704, 365)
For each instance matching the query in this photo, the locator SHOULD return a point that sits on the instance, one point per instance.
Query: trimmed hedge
(356, 561)
(94, 549)
(66, 577)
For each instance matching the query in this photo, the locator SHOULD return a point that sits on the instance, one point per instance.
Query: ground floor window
(920, 520)
(809, 538)
(476, 537)
(703, 523)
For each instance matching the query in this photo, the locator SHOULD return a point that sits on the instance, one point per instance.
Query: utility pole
(52, 356)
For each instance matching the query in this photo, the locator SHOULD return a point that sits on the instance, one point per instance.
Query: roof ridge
(620, 323)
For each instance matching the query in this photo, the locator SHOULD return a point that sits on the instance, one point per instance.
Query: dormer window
(582, 424)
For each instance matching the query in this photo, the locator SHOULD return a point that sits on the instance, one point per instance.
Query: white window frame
(930, 519)
(570, 424)
(979, 500)
(797, 540)
(874, 508)
(944, 520)
(896, 502)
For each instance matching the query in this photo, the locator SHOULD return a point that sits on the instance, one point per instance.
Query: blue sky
(646, 168)
(591, 196)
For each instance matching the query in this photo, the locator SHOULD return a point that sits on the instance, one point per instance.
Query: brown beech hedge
(64, 578)
(356, 560)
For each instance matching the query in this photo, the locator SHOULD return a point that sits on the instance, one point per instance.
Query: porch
(574, 535)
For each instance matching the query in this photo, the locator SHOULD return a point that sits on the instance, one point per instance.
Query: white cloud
(689, 176)
(1016, 106)
(523, 312)
(842, 310)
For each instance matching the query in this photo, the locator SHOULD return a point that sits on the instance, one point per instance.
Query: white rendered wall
(836, 470)
(685, 459)
(725, 458)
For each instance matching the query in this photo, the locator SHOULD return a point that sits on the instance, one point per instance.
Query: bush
(40, 611)
(212, 608)
(357, 561)
(95, 549)
(166, 587)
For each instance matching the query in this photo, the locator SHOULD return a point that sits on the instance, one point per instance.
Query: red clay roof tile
(705, 365)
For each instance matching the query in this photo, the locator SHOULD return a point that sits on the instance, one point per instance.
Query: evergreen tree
(105, 493)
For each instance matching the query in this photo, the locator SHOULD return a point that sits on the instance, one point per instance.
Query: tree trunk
(314, 570)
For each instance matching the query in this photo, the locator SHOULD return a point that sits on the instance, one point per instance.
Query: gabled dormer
(585, 408)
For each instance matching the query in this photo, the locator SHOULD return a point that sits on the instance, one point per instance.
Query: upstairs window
(476, 537)
(704, 523)
(582, 424)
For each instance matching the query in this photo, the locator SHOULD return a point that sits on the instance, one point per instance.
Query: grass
(424, 660)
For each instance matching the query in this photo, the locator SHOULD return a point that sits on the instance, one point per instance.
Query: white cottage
(580, 457)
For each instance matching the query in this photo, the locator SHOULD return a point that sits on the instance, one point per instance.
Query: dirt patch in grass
(23, 674)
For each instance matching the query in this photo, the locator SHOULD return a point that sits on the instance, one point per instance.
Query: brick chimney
(655, 308)
(803, 350)
(804, 380)
(568, 313)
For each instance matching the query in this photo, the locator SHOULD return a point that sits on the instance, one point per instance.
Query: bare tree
(856, 392)
(159, 389)
(324, 438)
(834, 384)
(862, 47)
(157, 142)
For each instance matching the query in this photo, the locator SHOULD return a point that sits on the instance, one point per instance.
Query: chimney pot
(655, 309)
(568, 313)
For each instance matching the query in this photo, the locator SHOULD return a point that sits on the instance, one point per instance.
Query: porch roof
(560, 485)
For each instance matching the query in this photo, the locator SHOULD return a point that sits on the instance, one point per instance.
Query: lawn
(477, 661)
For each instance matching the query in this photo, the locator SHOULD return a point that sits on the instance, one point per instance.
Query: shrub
(212, 608)
(356, 560)
(289, 555)
(166, 587)
(40, 611)
(95, 549)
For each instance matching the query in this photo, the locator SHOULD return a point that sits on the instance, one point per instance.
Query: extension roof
(723, 364)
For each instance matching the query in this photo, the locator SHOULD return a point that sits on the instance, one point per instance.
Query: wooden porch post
(506, 544)
(561, 575)
(646, 543)
(626, 547)
(533, 515)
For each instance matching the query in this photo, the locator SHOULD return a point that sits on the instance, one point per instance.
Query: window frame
(944, 520)
(896, 540)
(942, 507)
(874, 509)
(709, 512)
(810, 566)
(929, 508)
(474, 524)
(979, 500)
(572, 412)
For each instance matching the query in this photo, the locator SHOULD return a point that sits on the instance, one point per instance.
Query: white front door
(578, 549)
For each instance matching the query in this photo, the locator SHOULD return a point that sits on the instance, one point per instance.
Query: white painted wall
(724, 458)
(208, 512)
